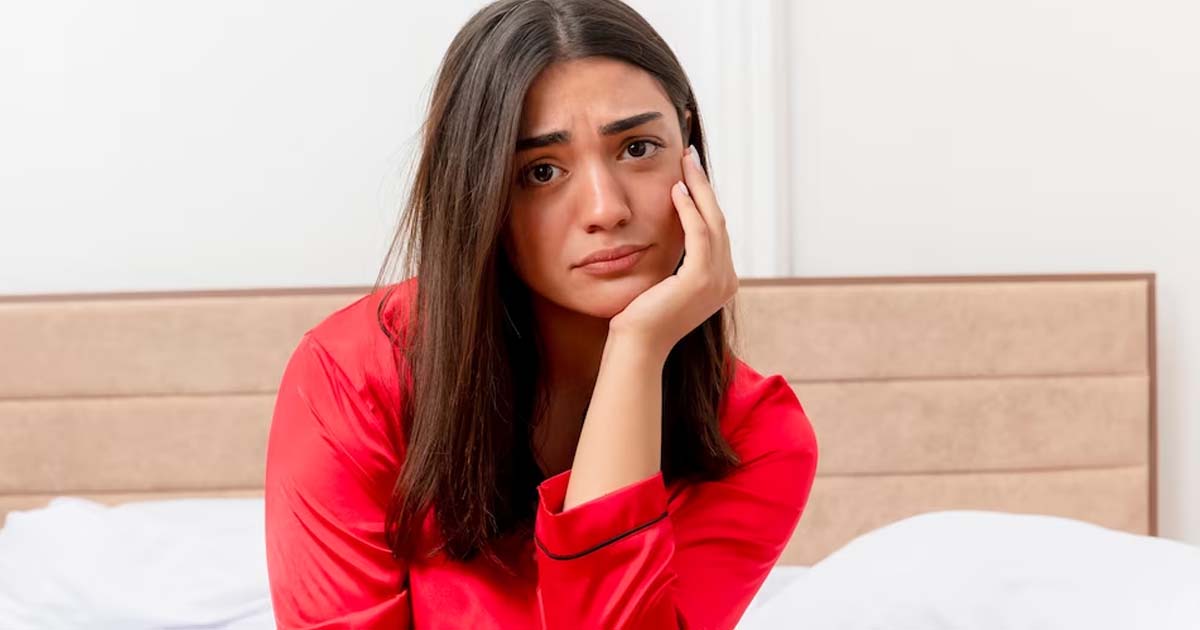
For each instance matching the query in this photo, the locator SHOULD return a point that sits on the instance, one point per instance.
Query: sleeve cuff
(589, 526)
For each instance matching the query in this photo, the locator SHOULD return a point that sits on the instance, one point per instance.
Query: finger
(696, 234)
(702, 191)
(706, 200)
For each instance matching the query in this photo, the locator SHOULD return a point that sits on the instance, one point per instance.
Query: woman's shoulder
(365, 317)
(362, 338)
(762, 412)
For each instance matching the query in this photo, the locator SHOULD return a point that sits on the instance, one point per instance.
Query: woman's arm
(328, 478)
(635, 559)
(621, 440)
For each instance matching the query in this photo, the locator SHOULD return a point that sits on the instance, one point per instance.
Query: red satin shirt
(648, 555)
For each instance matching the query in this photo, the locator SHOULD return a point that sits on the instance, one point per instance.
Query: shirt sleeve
(626, 560)
(329, 473)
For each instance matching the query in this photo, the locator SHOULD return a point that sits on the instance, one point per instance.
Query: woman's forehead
(591, 91)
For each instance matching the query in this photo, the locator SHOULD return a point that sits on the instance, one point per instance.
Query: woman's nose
(603, 201)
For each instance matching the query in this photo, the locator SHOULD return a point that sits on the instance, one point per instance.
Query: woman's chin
(608, 298)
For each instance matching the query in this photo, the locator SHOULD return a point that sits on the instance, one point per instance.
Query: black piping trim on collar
(572, 556)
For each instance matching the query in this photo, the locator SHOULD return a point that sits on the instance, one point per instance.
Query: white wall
(148, 145)
(232, 143)
(1026, 136)
(151, 145)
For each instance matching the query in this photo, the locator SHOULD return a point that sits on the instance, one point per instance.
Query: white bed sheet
(186, 563)
(200, 563)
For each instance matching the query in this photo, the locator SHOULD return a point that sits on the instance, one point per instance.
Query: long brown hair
(471, 343)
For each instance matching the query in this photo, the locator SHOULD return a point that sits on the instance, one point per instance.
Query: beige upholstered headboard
(1020, 393)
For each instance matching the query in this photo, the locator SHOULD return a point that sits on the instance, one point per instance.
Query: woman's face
(595, 184)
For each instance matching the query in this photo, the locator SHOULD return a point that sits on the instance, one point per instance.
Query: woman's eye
(643, 147)
(539, 174)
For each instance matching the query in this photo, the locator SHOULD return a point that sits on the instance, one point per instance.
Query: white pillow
(778, 579)
(983, 570)
(185, 563)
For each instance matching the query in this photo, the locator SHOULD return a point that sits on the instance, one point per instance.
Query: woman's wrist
(633, 349)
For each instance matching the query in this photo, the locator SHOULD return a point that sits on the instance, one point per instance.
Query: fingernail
(694, 156)
(682, 187)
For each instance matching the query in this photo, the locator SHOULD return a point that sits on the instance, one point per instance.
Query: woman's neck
(572, 344)
(572, 347)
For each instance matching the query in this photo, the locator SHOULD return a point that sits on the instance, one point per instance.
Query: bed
(948, 409)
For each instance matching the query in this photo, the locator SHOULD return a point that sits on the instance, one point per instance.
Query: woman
(544, 426)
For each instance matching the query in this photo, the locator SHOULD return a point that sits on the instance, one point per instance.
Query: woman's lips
(615, 265)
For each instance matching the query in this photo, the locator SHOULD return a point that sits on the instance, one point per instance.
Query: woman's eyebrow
(608, 129)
